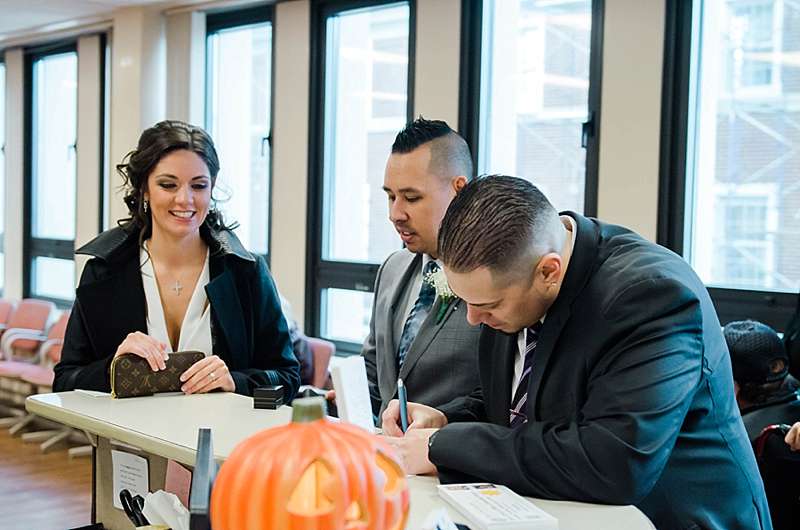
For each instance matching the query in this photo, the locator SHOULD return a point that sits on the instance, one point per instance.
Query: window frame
(32, 247)
(217, 21)
(320, 273)
(683, 19)
(469, 111)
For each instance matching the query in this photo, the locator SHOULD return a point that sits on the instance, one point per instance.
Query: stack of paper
(491, 507)
(352, 392)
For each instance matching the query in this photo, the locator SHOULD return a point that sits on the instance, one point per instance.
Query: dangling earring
(145, 205)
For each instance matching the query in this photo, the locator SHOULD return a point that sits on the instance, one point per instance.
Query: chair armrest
(14, 334)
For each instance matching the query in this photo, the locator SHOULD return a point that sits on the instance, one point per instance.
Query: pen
(401, 396)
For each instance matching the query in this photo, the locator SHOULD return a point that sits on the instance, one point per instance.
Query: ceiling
(17, 16)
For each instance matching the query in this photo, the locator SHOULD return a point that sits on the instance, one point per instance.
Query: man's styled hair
(498, 222)
(450, 154)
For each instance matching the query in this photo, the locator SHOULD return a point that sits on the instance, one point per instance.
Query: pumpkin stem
(306, 410)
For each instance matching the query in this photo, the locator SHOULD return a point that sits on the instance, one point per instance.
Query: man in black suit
(605, 377)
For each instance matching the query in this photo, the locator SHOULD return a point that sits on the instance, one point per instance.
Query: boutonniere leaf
(438, 280)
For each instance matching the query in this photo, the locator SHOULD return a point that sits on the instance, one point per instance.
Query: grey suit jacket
(441, 364)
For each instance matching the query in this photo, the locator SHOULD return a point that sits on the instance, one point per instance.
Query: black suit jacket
(248, 329)
(630, 399)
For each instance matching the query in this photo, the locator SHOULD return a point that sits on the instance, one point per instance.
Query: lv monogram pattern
(131, 376)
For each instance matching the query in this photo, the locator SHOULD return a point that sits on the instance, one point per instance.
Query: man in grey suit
(414, 334)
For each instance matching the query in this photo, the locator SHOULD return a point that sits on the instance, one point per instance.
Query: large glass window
(362, 81)
(50, 267)
(734, 214)
(534, 84)
(239, 74)
(743, 141)
(2, 172)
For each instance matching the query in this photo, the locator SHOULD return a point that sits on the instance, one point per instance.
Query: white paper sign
(352, 392)
(131, 473)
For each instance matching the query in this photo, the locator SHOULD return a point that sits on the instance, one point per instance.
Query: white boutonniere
(438, 281)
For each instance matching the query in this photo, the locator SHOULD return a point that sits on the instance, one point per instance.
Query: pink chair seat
(14, 368)
(38, 375)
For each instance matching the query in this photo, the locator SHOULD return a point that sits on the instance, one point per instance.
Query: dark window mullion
(52, 248)
(219, 21)
(352, 276)
(595, 90)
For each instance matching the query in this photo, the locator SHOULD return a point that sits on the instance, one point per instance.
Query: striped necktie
(516, 416)
(427, 293)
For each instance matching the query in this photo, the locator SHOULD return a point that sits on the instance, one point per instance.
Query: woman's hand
(147, 347)
(206, 375)
(793, 437)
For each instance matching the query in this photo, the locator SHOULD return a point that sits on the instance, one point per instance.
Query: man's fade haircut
(499, 222)
(450, 154)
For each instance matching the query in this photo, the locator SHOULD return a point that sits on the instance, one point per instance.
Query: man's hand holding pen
(412, 446)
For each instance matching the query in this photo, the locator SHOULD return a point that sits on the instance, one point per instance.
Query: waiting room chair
(20, 379)
(323, 350)
(6, 309)
(20, 348)
(25, 330)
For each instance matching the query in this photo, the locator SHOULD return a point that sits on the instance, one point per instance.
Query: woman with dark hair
(174, 277)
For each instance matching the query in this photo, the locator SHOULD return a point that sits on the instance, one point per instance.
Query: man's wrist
(431, 438)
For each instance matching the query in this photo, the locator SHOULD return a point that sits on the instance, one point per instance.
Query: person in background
(174, 277)
(765, 392)
(604, 373)
(793, 437)
(300, 345)
(767, 397)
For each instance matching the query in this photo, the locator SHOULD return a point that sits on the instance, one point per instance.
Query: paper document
(491, 507)
(352, 392)
(131, 473)
(92, 393)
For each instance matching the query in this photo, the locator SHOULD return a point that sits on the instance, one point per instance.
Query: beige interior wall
(290, 152)
(186, 62)
(631, 114)
(138, 88)
(89, 142)
(438, 49)
(15, 127)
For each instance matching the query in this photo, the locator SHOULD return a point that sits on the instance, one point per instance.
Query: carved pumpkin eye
(314, 493)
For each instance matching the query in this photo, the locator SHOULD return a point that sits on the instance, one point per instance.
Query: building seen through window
(535, 94)
(743, 168)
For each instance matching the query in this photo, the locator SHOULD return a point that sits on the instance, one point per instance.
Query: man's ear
(458, 183)
(550, 268)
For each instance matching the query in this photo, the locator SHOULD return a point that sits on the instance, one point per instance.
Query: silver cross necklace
(177, 288)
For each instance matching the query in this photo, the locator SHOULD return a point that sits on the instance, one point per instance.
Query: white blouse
(196, 326)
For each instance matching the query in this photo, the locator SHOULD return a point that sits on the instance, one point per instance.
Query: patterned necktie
(517, 417)
(416, 317)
